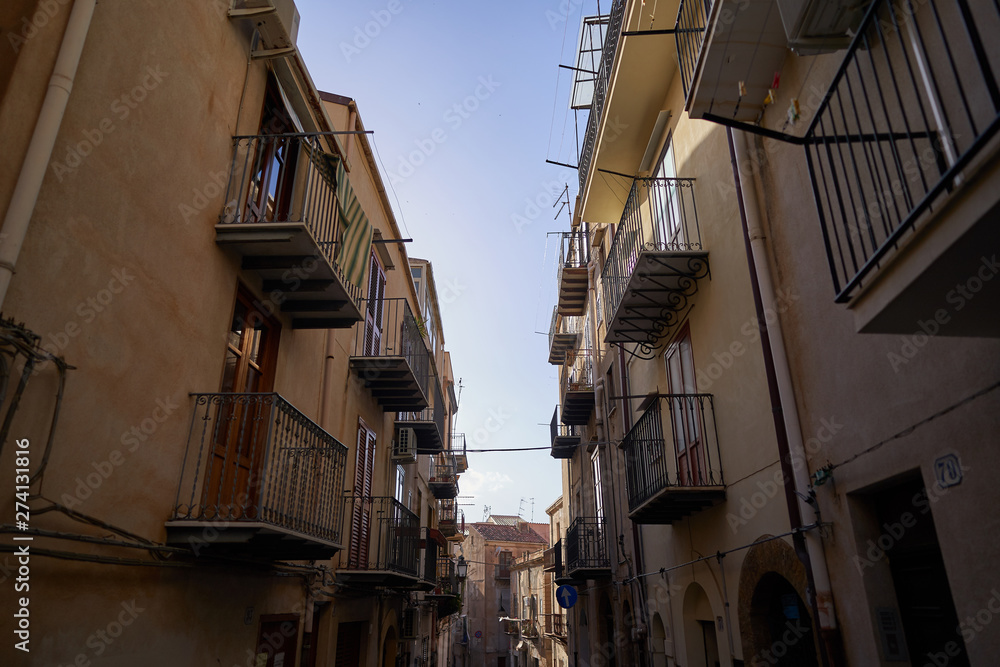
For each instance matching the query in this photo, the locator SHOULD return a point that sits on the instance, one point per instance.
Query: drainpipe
(788, 429)
(43, 140)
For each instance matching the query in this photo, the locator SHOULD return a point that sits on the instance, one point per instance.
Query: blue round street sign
(566, 596)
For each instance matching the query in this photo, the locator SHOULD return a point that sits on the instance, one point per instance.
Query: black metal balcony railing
(586, 547)
(564, 437)
(255, 458)
(385, 536)
(391, 332)
(443, 481)
(660, 215)
(601, 82)
(578, 373)
(673, 445)
(692, 20)
(458, 448)
(429, 423)
(913, 103)
(564, 335)
(451, 519)
(574, 251)
(287, 178)
(446, 576)
(555, 624)
(552, 558)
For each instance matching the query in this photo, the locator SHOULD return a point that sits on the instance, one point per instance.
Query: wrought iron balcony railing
(458, 448)
(429, 423)
(288, 180)
(601, 82)
(451, 518)
(444, 476)
(564, 335)
(564, 437)
(692, 20)
(555, 624)
(255, 459)
(655, 261)
(385, 536)
(587, 549)
(390, 355)
(446, 580)
(913, 103)
(672, 460)
(573, 276)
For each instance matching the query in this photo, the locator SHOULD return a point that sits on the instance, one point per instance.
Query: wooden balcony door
(685, 412)
(273, 177)
(362, 509)
(241, 423)
(374, 311)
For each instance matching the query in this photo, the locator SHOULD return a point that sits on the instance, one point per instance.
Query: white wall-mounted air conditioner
(277, 20)
(821, 26)
(405, 449)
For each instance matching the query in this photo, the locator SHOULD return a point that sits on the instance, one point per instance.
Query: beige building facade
(759, 460)
(226, 384)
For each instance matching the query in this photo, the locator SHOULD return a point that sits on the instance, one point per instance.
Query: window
(400, 479)
(238, 452)
(666, 206)
(598, 493)
(685, 410)
(364, 468)
(269, 196)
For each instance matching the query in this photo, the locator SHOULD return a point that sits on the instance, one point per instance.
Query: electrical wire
(910, 429)
(722, 554)
(402, 218)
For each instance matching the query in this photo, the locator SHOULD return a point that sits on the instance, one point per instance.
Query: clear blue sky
(461, 97)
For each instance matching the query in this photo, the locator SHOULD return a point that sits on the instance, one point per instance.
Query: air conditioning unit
(277, 20)
(821, 26)
(405, 449)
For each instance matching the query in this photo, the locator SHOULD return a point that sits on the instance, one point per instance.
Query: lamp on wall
(461, 568)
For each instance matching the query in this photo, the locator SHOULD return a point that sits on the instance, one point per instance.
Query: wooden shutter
(361, 512)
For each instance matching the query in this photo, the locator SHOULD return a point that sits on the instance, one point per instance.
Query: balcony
(565, 439)
(446, 582)
(555, 625)
(501, 570)
(903, 161)
(672, 461)
(587, 549)
(574, 254)
(283, 218)
(627, 120)
(458, 449)
(428, 424)
(564, 335)
(390, 356)
(262, 478)
(451, 520)
(578, 387)
(529, 628)
(552, 561)
(431, 542)
(444, 477)
(655, 262)
(384, 550)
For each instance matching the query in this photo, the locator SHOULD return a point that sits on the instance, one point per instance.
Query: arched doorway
(658, 639)
(780, 624)
(700, 640)
(389, 648)
(773, 585)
